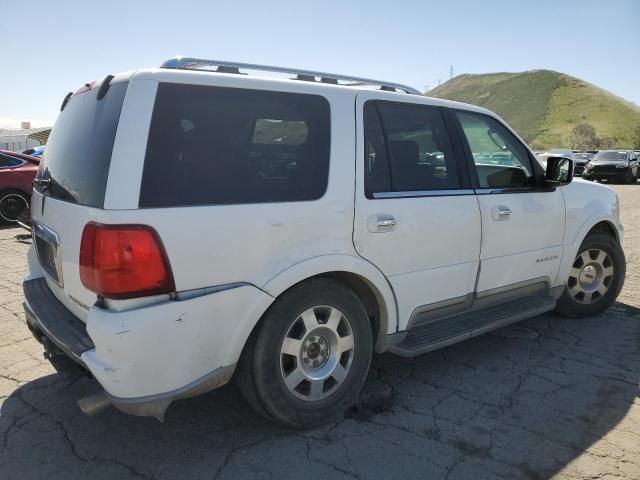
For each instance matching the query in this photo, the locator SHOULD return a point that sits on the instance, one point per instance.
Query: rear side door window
(407, 149)
(217, 146)
(501, 161)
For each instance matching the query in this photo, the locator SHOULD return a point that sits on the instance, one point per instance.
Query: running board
(455, 328)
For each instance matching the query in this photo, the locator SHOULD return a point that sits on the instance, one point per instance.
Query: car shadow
(522, 402)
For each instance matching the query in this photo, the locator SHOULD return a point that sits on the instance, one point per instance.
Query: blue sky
(51, 47)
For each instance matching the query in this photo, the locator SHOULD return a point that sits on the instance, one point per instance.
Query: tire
(299, 339)
(595, 279)
(629, 179)
(14, 205)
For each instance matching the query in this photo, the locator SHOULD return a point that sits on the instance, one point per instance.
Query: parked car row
(614, 165)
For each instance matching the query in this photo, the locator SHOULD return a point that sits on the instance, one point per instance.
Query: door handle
(381, 222)
(500, 212)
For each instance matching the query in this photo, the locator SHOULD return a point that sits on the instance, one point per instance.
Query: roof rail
(188, 63)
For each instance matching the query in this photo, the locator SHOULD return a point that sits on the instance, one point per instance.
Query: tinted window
(79, 148)
(214, 145)
(501, 160)
(7, 161)
(407, 149)
(377, 176)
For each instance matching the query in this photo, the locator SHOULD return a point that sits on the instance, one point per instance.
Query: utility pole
(450, 72)
(439, 81)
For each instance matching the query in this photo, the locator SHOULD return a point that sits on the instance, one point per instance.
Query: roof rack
(222, 66)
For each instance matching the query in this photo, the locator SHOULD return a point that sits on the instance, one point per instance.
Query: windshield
(611, 156)
(78, 153)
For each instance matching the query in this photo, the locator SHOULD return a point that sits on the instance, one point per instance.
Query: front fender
(587, 204)
(570, 250)
(342, 263)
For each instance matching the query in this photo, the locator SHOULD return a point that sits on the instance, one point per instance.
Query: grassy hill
(543, 106)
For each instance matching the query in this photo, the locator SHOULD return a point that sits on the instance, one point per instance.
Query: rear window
(7, 161)
(79, 148)
(216, 146)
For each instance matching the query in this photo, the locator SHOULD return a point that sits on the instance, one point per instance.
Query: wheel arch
(597, 222)
(15, 189)
(606, 227)
(8, 189)
(369, 284)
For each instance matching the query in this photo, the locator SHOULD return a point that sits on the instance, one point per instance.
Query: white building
(16, 139)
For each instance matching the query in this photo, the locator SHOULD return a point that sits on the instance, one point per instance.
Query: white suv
(193, 223)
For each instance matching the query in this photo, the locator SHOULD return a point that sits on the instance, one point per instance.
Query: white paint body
(443, 247)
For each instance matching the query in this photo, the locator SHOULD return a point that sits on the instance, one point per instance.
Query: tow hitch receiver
(68, 370)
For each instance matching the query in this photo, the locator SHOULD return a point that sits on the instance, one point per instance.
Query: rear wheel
(308, 359)
(14, 206)
(595, 279)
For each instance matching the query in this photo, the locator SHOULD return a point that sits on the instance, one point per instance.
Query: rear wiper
(49, 186)
(65, 101)
(43, 183)
(102, 91)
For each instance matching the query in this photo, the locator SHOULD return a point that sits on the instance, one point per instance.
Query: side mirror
(559, 171)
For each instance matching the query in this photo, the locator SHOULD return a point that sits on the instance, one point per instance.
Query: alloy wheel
(316, 353)
(591, 276)
(13, 207)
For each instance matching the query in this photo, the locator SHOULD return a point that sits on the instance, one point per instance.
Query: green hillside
(544, 106)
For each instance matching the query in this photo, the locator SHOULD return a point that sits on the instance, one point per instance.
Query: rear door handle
(381, 222)
(500, 212)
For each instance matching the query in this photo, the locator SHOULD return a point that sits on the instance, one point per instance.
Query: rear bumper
(47, 317)
(146, 358)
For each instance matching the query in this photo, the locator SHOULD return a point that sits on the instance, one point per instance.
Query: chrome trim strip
(489, 191)
(189, 63)
(532, 282)
(52, 238)
(435, 311)
(200, 292)
(423, 193)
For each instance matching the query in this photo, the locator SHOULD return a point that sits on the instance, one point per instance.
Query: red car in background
(17, 172)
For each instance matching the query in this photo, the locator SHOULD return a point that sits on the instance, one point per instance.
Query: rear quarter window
(216, 146)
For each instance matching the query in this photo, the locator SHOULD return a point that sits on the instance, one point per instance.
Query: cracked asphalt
(549, 397)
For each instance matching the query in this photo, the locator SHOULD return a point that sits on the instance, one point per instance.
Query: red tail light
(124, 261)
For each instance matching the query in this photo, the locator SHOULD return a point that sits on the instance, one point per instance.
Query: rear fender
(349, 264)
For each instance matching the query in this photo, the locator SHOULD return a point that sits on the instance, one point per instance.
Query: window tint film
(501, 160)
(377, 176)
(78, 153)
(418, 146)
(6, 161)
(214, 146)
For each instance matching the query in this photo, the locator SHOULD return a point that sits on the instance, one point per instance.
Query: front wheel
(309, 357)
(595, 279)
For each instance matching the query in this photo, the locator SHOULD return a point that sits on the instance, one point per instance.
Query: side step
(455, 328)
